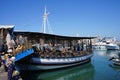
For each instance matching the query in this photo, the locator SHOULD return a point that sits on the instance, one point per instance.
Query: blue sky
(67, 17)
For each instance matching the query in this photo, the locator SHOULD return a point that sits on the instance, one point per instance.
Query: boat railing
(60, 54)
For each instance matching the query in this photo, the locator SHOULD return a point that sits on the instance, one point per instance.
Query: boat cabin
(53, 46)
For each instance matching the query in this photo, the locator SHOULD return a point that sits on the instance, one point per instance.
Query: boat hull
(56, 63)
(116, 61)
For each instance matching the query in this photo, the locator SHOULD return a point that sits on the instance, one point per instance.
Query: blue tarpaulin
(24, 54)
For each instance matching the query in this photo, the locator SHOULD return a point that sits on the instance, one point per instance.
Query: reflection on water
(82, 72)
(117, 69)
(104, 68)
(107, 53)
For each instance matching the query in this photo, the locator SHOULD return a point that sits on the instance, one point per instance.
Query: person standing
(11, 70)
(8, 57)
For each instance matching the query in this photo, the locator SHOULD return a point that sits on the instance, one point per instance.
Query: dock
(3, 74)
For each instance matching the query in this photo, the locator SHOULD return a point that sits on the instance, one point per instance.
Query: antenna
(46, 23)
(44, 20)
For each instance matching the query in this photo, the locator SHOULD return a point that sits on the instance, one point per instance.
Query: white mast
(44, 21)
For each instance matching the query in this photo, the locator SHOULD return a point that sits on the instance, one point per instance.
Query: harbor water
(100, 68)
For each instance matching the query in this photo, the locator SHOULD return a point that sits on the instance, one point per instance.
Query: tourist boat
(56, 52)
(44, 51)
(73, 53)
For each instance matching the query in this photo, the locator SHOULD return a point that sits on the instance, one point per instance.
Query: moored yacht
(111, 46)
(107, 43)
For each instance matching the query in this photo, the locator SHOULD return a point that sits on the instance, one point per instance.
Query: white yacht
(107, 43)
(111, 46)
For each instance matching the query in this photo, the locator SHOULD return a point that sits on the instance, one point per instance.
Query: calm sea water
(100, 68)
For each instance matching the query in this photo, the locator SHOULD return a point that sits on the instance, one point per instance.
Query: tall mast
(44, 20)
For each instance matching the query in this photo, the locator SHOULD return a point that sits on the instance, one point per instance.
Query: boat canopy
(48, 36)
(6, 26)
